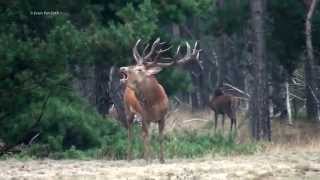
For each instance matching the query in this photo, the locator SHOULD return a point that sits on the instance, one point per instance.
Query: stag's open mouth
(123, 74)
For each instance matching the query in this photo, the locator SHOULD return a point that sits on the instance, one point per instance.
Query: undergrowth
(71, 129)
(187, 144)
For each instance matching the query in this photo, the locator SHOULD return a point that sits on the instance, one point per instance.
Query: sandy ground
(293, 165)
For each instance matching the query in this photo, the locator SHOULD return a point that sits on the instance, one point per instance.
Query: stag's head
(147, 64)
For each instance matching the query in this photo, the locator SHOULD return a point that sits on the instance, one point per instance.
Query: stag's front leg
(145, 137)
(129, 150)
(161, 127)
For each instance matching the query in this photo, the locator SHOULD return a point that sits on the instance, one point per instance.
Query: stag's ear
(153, 70)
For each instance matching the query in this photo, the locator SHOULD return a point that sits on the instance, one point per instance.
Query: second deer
(224, 105)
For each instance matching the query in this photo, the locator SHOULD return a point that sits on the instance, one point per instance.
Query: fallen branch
(34, 137)
(234, 88)
(7, 148)
(195, 119)
(297, 97)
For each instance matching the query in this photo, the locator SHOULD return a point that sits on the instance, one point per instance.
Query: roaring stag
(144, 95)
(224, 104)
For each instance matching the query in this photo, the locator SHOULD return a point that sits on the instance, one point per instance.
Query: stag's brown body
(224, 104)
(145, 96)
(149, 101)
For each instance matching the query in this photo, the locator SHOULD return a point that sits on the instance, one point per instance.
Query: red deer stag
(224, 104)
(144, 95)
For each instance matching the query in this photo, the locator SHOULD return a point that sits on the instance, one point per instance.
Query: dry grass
(183, 118)
(301, 136)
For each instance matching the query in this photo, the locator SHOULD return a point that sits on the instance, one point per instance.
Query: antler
(191, 55)
(140, 59)
(148, 60)
(153, 47)
(148, 57)
(136, 54)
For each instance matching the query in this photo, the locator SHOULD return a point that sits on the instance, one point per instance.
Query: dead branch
(195, 119)
(236, 89)
(33, 138)
(7, 148)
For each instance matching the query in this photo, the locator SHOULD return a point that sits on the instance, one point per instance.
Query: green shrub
(72, 129)
(195, 144)
(188, 144)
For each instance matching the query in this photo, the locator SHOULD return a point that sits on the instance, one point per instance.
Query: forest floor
(293, 154)
(285, 165)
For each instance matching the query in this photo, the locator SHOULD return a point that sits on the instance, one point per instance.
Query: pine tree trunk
(103, 102)
(288, 102)
(311, 104)
(260, 121)
(116, 90)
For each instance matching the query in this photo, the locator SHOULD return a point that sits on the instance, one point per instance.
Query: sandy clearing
(293, 165)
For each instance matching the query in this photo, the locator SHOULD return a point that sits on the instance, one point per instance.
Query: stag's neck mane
(150, 92)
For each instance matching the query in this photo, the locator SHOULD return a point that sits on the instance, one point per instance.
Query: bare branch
(240, 91)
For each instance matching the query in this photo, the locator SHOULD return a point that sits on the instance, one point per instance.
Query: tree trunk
(223, 50)
(288, 102)
(197, 77)
(222, 71)
(311, 104)
(116, 90)
(103, 102)
(260, 120)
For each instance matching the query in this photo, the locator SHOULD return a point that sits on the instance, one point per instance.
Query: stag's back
(224, 104)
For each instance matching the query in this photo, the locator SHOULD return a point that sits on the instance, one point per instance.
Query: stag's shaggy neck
(150, 92)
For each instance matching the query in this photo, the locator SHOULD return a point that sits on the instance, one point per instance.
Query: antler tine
(188, 50)
(177, 52)
(157, 57)
(135, 52)
(164, 50)
(197, 58)
(145, 49)
(187, 56)
(190, 54)
(155, 43)
(195, 47)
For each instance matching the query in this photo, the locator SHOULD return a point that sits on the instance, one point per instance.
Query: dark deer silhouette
(224, 104)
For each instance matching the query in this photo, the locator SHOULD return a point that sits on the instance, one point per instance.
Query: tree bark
(311, 104)
(103, 102)
(198, 95)
(116, 90)
(260, 120)
(288, 102)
